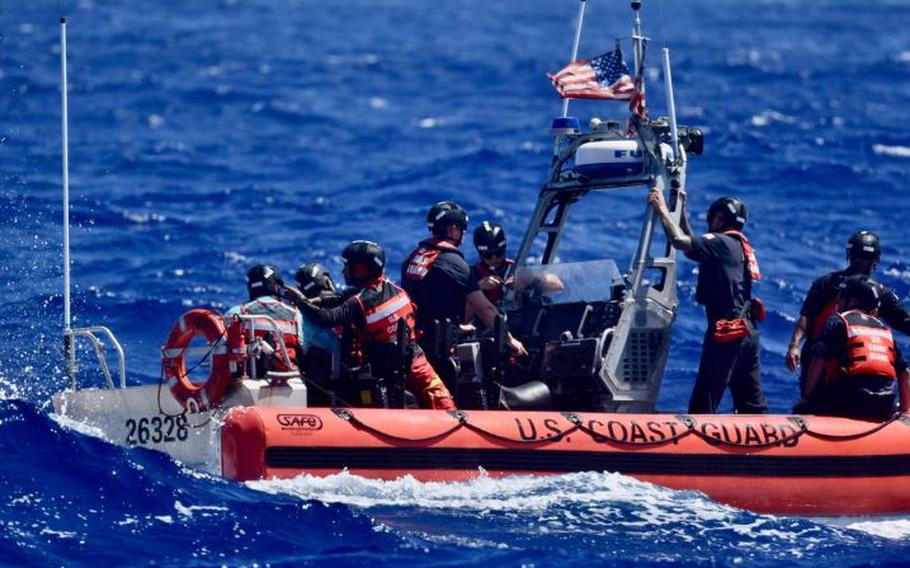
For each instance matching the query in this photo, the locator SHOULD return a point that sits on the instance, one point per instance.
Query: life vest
(870, 346)
(421, 260)
(384, 304)
(748, 253)
(285, 317)
(483, 270)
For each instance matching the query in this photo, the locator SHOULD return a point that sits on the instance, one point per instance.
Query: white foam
(894, 529)
(893, 151)
(80, 427)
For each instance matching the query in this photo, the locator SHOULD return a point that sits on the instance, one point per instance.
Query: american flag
(604, 77)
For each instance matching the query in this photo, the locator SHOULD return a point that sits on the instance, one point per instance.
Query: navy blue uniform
(820, 304)
(724, 288)
(857, 396)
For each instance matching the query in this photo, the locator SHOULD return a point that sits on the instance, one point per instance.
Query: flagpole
(637, 39)
(581, 19)
(671, 104)
(67, 314)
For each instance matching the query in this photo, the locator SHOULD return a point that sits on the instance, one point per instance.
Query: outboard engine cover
(610, 158)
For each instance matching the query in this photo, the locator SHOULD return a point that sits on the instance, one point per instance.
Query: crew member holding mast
(863, 254)
(727, 267)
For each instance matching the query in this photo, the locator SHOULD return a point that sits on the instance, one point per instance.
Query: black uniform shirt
(442, 293)
(825, 289)
(723, 287)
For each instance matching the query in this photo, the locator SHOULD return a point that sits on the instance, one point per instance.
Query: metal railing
(90, 334)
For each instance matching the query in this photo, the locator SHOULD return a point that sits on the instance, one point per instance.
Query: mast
(69, 353)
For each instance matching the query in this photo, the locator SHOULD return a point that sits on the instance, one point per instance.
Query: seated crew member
(374, 311)
(855, 361)
(317, 286)
(727, 267)
(492, 271)
(264, 285)
(863, 254)
(437, 278)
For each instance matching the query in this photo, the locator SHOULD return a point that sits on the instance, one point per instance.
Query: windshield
(569, 282)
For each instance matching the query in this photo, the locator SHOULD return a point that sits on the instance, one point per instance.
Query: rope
(578, 425)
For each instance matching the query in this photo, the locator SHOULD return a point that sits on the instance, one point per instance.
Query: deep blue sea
(207, 136)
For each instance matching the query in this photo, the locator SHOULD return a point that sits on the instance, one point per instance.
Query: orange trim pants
(427, 386)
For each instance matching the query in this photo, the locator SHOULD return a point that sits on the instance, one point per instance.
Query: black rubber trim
(519, 460)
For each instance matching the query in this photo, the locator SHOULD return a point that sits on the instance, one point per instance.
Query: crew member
(492, 271)
(439, 280)
(316, 284)
(374, 311)
(863, 255)
(265, 286)
(727, 266)
(855, 361)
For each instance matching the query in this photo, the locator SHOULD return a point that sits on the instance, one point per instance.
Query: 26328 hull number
(156, 430)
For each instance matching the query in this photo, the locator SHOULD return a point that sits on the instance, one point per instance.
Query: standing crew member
(492, 270)
(863, 253)
(374, 311)
(855, 362)
(438, 279)
(727, 267)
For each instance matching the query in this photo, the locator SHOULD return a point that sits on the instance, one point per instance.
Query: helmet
(363, 261)
(263, 280)
(489, 238)
(314, 279)
(443, 215)
(865, 245)
(733, 210)
(862, 290)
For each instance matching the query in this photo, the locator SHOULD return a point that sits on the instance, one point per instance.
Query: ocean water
(211, 135)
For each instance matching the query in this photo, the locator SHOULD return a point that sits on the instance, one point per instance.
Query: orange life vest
(483, 270)
(748, 253)
(870, 346)
(422, 259)
(383, 305)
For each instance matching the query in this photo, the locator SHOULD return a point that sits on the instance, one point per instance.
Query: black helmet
(864, 244)
(314, 279)
(363, 261)
(489, 238)
(263, 280)
(862, 290)
(443, 215)
(733, 210)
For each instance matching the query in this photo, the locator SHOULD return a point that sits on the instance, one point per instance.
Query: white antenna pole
(637, 38)
(581, 20)
(671, 103)
(67, 315)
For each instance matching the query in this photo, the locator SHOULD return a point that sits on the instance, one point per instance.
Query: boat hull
(774, 464)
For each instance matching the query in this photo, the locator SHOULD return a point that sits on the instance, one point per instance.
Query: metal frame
(89, 333)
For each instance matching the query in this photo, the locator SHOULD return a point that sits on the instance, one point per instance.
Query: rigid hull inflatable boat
(584, 398)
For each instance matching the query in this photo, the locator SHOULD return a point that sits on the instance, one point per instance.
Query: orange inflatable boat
(775, 464)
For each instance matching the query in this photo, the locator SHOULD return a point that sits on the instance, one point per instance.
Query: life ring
(210, 393)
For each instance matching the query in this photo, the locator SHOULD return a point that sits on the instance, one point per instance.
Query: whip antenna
(581, 20)
(67, 314)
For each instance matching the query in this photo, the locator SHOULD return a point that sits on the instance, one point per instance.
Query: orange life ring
(210, 393)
